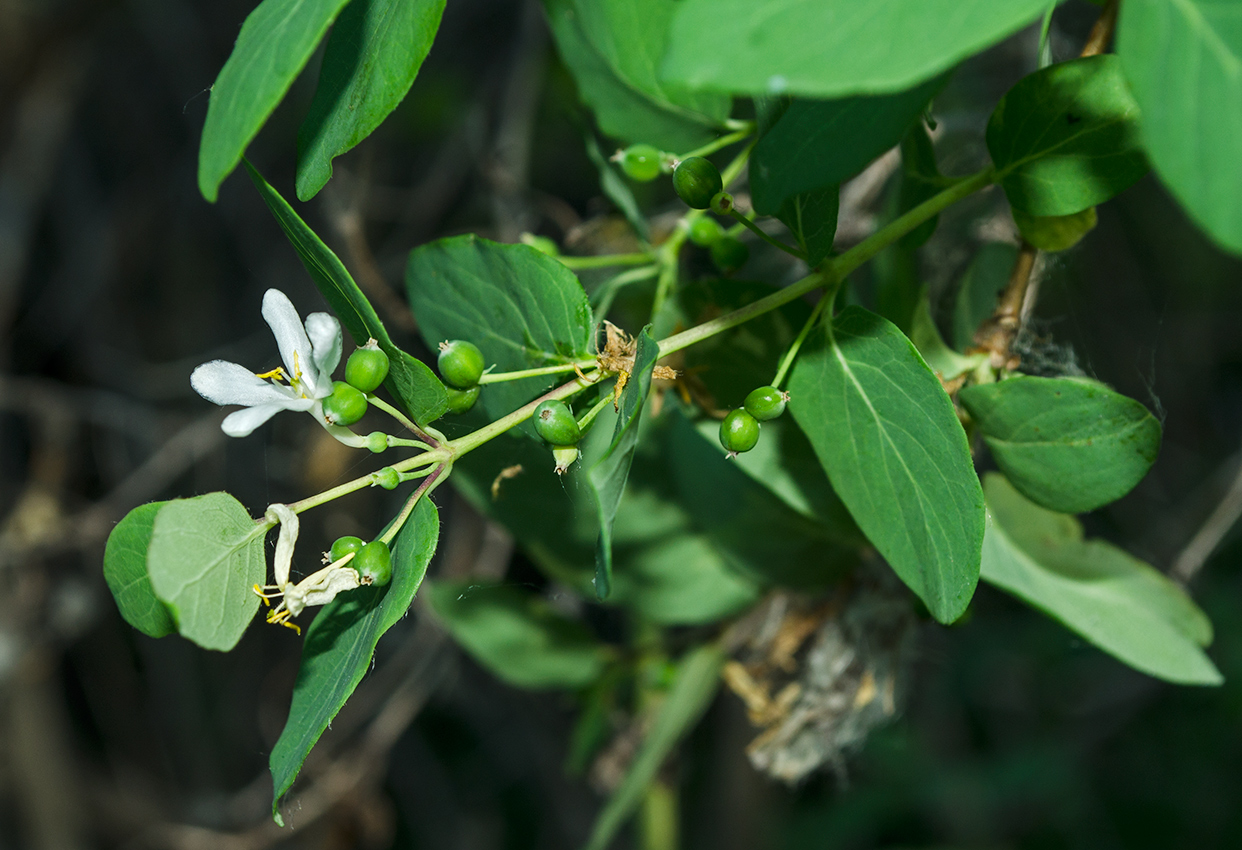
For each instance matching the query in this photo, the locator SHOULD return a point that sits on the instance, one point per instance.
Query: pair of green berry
(365, 370)
(461, 366)
(372, 561)
(556, 425)
(739, 432)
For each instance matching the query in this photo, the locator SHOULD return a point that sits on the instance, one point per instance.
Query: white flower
(310, 353)
(319, 588)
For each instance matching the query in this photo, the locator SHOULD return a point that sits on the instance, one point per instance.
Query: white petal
(288, 538)
(230, 383)
(325, 337)
(321, 588)
(295, 348)
(241, 423)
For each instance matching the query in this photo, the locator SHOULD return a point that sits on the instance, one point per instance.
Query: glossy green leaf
(1112, 599)
(1055, 232)
(812, 218)
(518, 636)
(818, 144)
(205, 557)
(125, 571)
(832, 48)
(409, 379)
(1183, 60)
(610, 472)
(1067, 137)
(523, 309)
(274, 44)
(979, 289)
(698, 679)
(612, 48)
(1069, 444)
(944, 361)
(339, 644)
(372, 58)
(887, 435)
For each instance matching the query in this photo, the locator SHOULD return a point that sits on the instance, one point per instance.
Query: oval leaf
(340, 642)
(1183, 59)
(886, 434)
(1117, 602)
(832, 48)
(372, 58)
(523, 309)
(275, 42)
(1066, 138)
(125, 571)
(206, 555)
(518, 636)
(1068, 444)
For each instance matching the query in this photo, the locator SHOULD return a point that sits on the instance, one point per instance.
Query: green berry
(704, 231)
(461, 364)
(555, 423)
(374, 563)
(766, 403)
(344, 546)
(388, 478)
(459, 401)
(377, 441)
(729, 254)
(564, 457)
(345, 406)
(641, 163)
(722, 203)
(367, 367)
(739, 431)
(697, 181)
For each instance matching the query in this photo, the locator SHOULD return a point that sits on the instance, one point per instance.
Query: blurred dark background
(116, 279)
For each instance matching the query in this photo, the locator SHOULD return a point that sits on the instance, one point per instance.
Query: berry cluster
(739, 432)
(372, 561)
(555, 423)
(365, 370)
(461, 366)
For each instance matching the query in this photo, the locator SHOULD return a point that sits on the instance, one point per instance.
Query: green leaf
(818, 144)
(340, 642)
(617, 190)
(522, 308)
(518, 636)
(409, 379)
(698, 679)
(275, 42)
(1069, 444)
(832, 48)
(1055, 232)
(979, 289)
(944, 361)
(1066, 138)
(887, 435)
(609, 474)
(205, 557)
(612, 48)
(1183, 60)
(760, 535)
(1115, 601)
(812, 218)
(125, 571)
(372, 58)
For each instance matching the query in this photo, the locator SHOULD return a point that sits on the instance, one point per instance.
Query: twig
(1210, 534)
(997, 333)
(1102, 32)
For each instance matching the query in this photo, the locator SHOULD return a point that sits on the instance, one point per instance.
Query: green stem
(589, 416)
(659, 817)
(605, 260)
(372, 398)
(499, 377)
(722, 142)
(472, 441)
(788, 359)
(835, 269)
(438, 455)
(433, 480)
(758, 231)
(607, 292)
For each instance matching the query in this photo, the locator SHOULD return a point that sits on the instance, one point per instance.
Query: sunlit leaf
(125, 571)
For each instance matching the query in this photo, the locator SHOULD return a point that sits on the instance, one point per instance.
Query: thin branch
(997, 333)
(1210, 534)
(1102, 33)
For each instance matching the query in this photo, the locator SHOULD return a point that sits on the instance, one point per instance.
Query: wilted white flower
(319, 588)
(310, 352)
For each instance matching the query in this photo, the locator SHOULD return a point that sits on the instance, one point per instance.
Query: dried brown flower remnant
(618, 356)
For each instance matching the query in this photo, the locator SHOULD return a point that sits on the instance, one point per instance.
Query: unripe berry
(374, 563)
(766, 403)
(555, 423)
(388, 478)
(459, 401)
(367, 367)
(697, 181)
(704, 231)
(461, 363)
(739, 432)
(641, 162)
(344, 546)
(345, 406)
(564, 457)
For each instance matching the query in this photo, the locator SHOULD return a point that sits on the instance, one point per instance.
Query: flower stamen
(278, 374)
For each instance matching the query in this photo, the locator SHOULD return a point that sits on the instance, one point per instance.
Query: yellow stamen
(278, 373)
